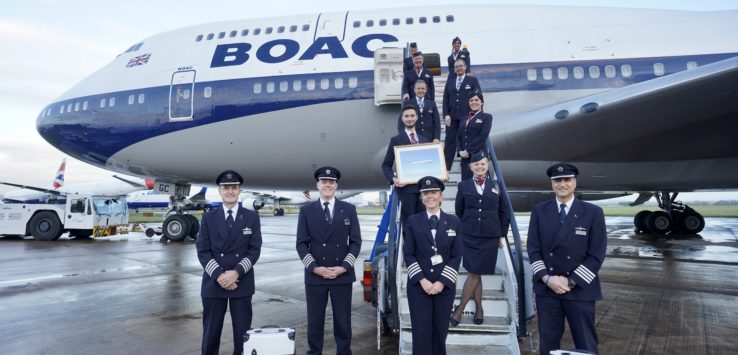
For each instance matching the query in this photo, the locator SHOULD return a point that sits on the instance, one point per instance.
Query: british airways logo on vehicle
(239, 53)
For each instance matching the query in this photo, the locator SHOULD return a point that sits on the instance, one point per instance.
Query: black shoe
(479, 320)
(453, 321)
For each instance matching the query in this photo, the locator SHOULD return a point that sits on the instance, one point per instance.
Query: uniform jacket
(429, 122)
(485, 215)
(389, 160)
(456, 102)
(463, 55)
(323, 244)
(473, 137)
(418, 249)
(219, 250)
(574, 249)
(411, 76)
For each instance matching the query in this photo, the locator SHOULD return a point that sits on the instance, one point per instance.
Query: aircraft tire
(150, 232)
(691, 222)
(639, 221)
(194, 226)
(45, 226)
(659, 222)
(281, 212)
(176, 227)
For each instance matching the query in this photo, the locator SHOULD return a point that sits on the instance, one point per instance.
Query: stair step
(468, 343)
(490, 324)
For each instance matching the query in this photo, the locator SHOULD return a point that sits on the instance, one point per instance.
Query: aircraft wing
(28, 187)
(687, 115)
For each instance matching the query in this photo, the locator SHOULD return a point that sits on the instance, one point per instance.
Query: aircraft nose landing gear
(675, 217)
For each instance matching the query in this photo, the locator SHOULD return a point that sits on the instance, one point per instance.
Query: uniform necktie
(413, 140)
(479, 180)
(433, 222)
(468, 119)
(229, 219)
(327, 212)
(458, 82)
(562, 213)
(420, 106)
(417, 71)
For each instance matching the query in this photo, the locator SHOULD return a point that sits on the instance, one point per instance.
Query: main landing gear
(179, 225)
(674, 217)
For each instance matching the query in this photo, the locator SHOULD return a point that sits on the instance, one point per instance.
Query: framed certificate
(415, 161)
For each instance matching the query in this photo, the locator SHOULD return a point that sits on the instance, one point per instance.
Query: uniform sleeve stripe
(245, 264)
(538, 266)
(350, 259)
(211, 266)
(450, 278)
(585, 273)
(413, 273)
(307, 260)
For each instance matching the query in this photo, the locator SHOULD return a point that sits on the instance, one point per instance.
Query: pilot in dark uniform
(407, 63)
(459, 89)
(328, 242)
(473, 133)
(417, 72)
(429, 122)
(408, 195)
(432, 251)
(458, 53)
(228, 246)
(567, 240)
(485, 218)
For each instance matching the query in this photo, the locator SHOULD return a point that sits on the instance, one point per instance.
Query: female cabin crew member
(473, 133)
(485, 218)
(432, 253)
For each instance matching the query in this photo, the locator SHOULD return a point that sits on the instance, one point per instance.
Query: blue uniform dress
(463, 54)
(485, 218)
(320, 243)
(576, 250)
(429, 122)
(220, 248)
(456, 105)
(411, 76)
(410, 194)
(430, 314)
(472, 137)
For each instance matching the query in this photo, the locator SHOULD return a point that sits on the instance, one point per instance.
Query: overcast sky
(49, 45)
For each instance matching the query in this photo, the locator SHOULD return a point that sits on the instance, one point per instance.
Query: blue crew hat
(327, 173)
(562, 170)
(229, 177)
(430, 183)
(478, 156)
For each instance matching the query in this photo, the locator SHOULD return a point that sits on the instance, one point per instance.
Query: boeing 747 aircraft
(643, 101)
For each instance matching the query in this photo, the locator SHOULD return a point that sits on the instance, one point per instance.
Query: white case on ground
(269, 340)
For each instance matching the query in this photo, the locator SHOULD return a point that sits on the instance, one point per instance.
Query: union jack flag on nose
(140, 60)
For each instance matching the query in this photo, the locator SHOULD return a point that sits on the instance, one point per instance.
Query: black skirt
(480, 254)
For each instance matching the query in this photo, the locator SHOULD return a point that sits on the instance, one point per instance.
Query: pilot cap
(562, 170)
(413, 45)
(478, 156)
(327, 173)
(229, 177)
(430, 183)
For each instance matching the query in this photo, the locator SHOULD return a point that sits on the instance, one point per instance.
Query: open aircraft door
(181, 95)
(388, 76)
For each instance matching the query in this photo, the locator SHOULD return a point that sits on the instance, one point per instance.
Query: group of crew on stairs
(435, 243)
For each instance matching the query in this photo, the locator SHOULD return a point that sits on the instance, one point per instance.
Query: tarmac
(133, 295)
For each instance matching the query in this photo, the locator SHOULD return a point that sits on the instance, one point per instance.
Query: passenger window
(311, 85)
(409, 21)
(658, 69)
(691, 65)
(210, 36)
(69, 107)
(257, 88)
(233, 34)
(305, 28)
(594, 72)
(423, 19)
(76, 106)
(112, 101)
(283, 86)
(198, 38)
(370, 23)
(61, 109)
(563, 73)
(280, 29)
(245, 32)
(338, 83)
(257, 31)
(396, 21)
(131, 99)
(449, 18)
(141, 97)
(547, 73)
(296, 85)
(84, 106)
(353, 82)
(270, 87)
(578, 73)
(357, 24)
(626, 70)
(102, 103)
(325, 84)
(610, 71)
(383, 22)
(221, 35)
(436, 19)
(207, 92)
(293, 28)
(532, 75)
(268, 31)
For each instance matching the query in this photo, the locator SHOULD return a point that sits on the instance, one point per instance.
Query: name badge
(467, 87)
(436, 259)
(451, 233)
(580, 231)
(346, 222)
(478, 120)
(427, 75)
(247, 231)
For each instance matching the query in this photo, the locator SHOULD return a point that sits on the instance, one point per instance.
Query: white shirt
(331, 203)
(567, 204)
(438, 215)
(234, 209)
